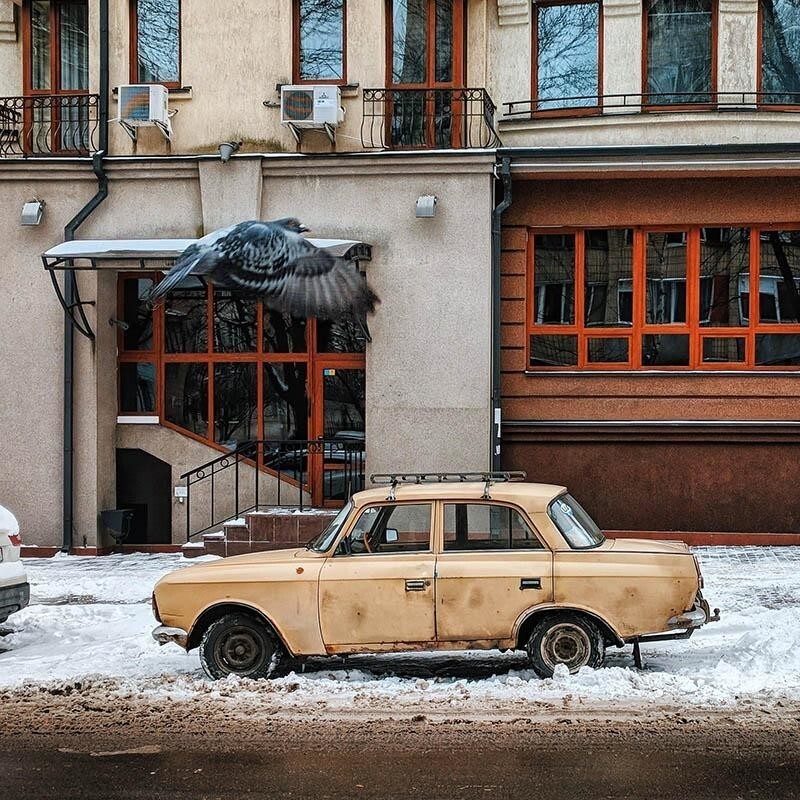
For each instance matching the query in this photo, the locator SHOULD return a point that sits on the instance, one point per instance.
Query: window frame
(296, 77)
(713, 89)
(573, 111)
(760, 69)
(639, 328)
(441, 550)
(133, 70)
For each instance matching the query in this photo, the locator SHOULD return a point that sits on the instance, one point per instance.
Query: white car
(14, 589)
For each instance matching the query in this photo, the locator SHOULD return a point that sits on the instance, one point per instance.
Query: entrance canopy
(153, 253)
(130, 254)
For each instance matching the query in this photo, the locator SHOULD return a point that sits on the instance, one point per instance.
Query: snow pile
(8, 522)
(90, 620)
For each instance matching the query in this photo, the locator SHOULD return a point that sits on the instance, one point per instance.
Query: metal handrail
(426, 117)
(662, 101)
(288, 461)
(49, 124)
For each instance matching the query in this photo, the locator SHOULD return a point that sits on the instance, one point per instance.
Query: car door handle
(416, 585)
(530, 583)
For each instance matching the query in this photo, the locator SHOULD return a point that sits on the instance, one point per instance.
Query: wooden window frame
(296, 77)
(712, 104)
(760, 69)
(639, 327)
(579, 111)
(134, 48)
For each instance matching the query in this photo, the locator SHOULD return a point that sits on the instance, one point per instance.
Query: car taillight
(155, 607)
(15, 539)
(699, 574)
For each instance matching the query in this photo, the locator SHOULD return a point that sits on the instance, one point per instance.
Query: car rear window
(576, 526)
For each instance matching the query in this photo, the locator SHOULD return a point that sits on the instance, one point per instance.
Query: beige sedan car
(438, 562)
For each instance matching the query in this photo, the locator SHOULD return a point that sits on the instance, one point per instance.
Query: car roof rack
(487, 478)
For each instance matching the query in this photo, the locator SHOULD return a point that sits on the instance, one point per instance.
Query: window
(679, 42)
(402, 528)
(566, 62)
(319, 40)
(576, 526)
(486, 526)
(663, 299)
(780, 52)
(156, 42)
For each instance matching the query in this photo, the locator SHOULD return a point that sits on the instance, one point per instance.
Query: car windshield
(324, 540)
(577, 527)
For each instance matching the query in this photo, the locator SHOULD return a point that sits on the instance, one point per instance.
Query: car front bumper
(163, 634)
(13, 598)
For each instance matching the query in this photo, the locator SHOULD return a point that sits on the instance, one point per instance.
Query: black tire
(240, 644)
(565, 638)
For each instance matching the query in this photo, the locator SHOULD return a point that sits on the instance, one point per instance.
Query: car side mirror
(391, 535)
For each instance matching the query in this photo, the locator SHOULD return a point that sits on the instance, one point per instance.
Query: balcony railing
(578, 105)
(428, 118)
(48, 125)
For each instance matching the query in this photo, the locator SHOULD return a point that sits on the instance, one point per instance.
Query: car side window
(391, 528)
(486, 526)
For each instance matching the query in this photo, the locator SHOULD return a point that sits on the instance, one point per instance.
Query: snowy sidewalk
(90, 621)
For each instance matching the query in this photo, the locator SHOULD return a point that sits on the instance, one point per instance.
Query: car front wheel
(568, 639)
(240, 644)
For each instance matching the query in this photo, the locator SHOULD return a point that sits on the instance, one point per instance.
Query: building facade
(613, 180)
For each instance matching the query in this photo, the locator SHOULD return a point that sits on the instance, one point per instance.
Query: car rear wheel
(569, 639)
(240, 644)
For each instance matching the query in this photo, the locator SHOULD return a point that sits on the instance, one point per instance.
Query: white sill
(137, 419)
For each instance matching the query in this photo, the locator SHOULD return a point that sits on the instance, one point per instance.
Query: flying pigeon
(273, 262)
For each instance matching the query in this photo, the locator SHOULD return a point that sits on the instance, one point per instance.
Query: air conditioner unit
(143, 105)
(311, 106)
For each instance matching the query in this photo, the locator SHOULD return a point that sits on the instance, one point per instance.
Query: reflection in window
(234, 403)
(40, 44)
(73, 24)
(723, 349)
(679, 51)
(321, 39)
(481, 526)
(186, 396)
(554, 351)
(234, 323)
(778, 350)
(608, 273)
(567, 57)
(780, 48)
(608, 350)
(554, 279)
(344, 402)
(137, 314)
(665, 350)
(158, 41)
(779, 295)
(283, 334)
(137, 383)
(666, 278)
(444, 41)
(340, 336)
(185, 321)
(724, 276)
(410, 41)
(285, 401)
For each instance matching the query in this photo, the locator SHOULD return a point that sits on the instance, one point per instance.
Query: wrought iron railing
(272, 472)
(428, 118)
(662, 101)
(48, 125)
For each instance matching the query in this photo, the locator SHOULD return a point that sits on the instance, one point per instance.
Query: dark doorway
(144, 484)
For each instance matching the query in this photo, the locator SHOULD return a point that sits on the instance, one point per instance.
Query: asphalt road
(550, 759)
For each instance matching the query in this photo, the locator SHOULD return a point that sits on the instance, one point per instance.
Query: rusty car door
(377, 591)
(491, 569)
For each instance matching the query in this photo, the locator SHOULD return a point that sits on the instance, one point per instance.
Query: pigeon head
(292, 224)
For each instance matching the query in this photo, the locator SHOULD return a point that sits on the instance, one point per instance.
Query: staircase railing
(272, 472)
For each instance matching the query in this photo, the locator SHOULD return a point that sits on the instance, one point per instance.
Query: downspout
(70, 293)
(504, 174)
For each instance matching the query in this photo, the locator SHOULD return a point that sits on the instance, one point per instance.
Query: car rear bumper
(13, 598)
(163, 634)
(696, 617)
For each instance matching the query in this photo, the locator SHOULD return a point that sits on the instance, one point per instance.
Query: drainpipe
(70, 293)
(504, 174)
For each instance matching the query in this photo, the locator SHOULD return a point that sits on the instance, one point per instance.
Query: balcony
(441, 119)
(48, 125)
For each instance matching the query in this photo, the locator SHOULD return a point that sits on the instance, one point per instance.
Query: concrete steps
(274, 528)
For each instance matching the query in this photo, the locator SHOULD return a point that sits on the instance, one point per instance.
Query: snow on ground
(90, 621)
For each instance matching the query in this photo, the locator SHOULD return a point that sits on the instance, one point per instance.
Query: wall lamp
(227, 149)
(426, 206)
(32, 212)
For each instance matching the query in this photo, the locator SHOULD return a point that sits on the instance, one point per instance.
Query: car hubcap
(240, 650)
(566, 644)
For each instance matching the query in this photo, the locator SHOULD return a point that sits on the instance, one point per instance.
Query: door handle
(530, 583)
(416, 585)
